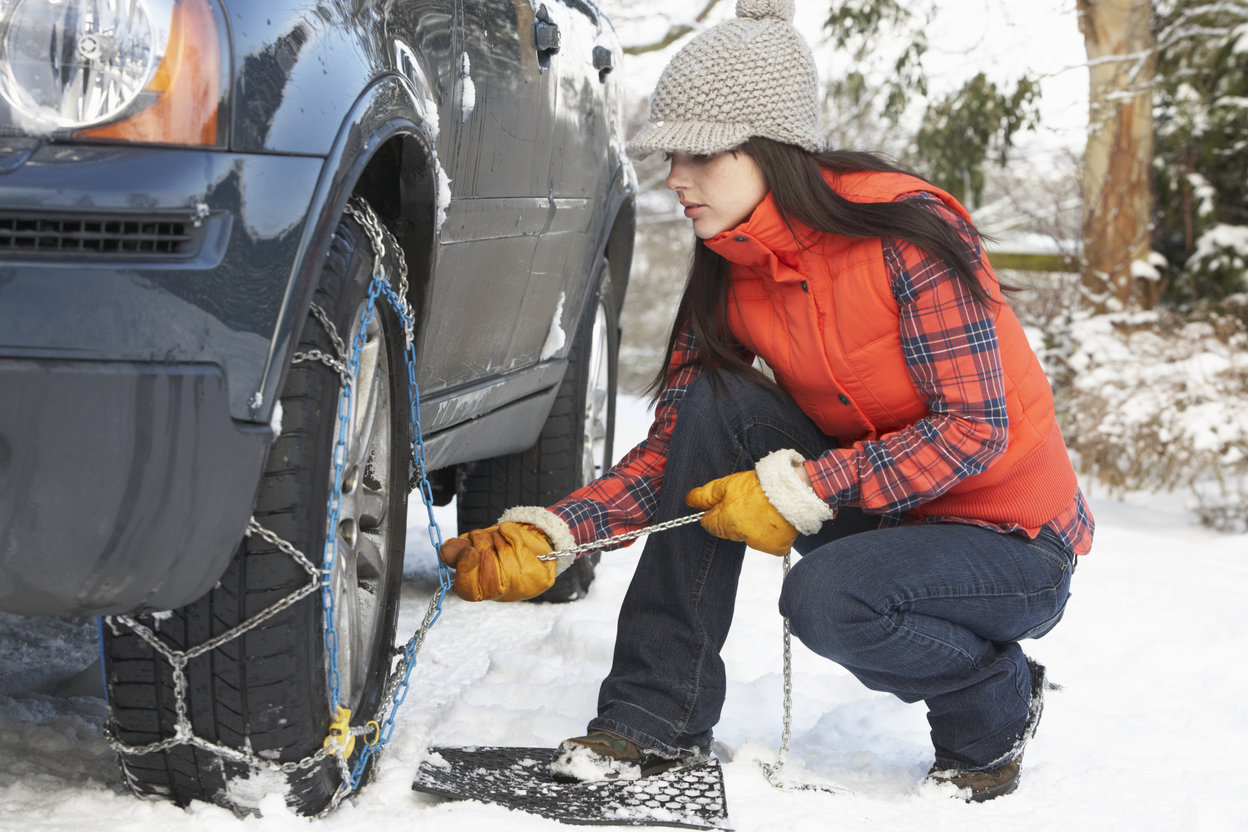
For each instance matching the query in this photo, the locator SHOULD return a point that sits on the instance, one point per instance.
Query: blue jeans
(926, 612)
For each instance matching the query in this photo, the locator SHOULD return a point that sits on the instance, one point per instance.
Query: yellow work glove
(737, 509)
(500, 563)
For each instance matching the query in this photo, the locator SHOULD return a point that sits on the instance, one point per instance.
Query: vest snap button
(843, 399)
(739, 239)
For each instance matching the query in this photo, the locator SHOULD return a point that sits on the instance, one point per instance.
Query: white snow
(1223, 240)
(443, 180)
(1148, 733)
(1185, 384)
(585, 765)
(555, 337)
(467, 89)
(1144, 270)
(1204, 193)
(444, 192)
(275, 423)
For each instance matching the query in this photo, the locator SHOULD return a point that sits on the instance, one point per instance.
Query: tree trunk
(1117, 194)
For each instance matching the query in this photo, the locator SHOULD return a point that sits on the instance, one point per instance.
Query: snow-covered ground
(1148, 734)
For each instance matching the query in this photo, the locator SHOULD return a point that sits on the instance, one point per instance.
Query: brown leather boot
(602, 755)
(999, 780)
(981, 785)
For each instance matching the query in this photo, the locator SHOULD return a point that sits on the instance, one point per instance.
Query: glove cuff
(550, 524)
(785, 489)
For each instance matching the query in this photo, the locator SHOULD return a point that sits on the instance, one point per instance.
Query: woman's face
(718, 192)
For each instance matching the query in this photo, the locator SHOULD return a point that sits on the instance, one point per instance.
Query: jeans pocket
(1047, 544)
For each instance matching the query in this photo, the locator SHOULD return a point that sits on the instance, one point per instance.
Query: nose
(676, 179)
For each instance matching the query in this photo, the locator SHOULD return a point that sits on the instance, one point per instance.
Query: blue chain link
(412, 647)
(330, 553)
(379, 287)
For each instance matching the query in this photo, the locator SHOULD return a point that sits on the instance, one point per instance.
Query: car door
(495, 146)
(580, 170)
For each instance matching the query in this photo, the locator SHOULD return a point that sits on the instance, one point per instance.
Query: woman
(907, 447)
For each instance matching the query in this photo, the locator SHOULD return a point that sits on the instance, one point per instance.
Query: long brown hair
(795, 178)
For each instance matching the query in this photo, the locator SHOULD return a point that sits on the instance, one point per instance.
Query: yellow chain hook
(340, 739)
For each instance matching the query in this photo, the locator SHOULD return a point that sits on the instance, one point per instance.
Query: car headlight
(131, 70)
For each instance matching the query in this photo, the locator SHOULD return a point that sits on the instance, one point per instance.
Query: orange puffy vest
(822, 315)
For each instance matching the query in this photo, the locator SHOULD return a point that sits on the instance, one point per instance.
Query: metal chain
(340, 349)
(183, 731)
(338, 362)
(782, 757)
(328, 360)
(397, 683)
(772, 770)
(620, 538)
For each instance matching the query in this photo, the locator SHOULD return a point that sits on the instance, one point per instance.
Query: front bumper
(156, 255)
(123, 486)
(142, 293)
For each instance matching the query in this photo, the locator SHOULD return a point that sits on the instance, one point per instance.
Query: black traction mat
(691, 797)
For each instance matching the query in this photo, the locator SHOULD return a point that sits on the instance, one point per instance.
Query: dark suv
(227, 230)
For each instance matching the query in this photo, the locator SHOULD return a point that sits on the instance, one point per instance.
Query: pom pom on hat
(759, 9)
(753, 75)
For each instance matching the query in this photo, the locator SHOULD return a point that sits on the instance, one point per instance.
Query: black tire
(575, 446)
(267, 691)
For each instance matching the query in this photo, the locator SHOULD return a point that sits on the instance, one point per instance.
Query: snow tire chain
(183, 732)
(590, 546)
(397, 683)
(772, 770)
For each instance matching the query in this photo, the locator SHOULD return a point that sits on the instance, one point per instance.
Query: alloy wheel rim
(360, 572)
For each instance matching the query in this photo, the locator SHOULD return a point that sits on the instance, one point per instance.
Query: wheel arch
(384, 152)
(619, 246)
(400, 182)
(616, 236)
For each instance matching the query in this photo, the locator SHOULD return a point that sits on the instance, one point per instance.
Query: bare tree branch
(673, 34)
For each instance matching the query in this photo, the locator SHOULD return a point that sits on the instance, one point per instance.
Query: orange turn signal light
(185, 91)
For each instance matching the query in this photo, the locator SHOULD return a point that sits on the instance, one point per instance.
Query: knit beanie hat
(750, 76)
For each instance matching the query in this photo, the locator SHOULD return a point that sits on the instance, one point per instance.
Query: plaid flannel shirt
(960, 375)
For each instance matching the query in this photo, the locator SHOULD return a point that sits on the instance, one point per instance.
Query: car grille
(81, 236)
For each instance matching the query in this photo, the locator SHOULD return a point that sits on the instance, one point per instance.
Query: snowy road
(1148, 734)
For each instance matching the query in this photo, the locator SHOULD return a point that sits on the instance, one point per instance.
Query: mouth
(692, 209)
